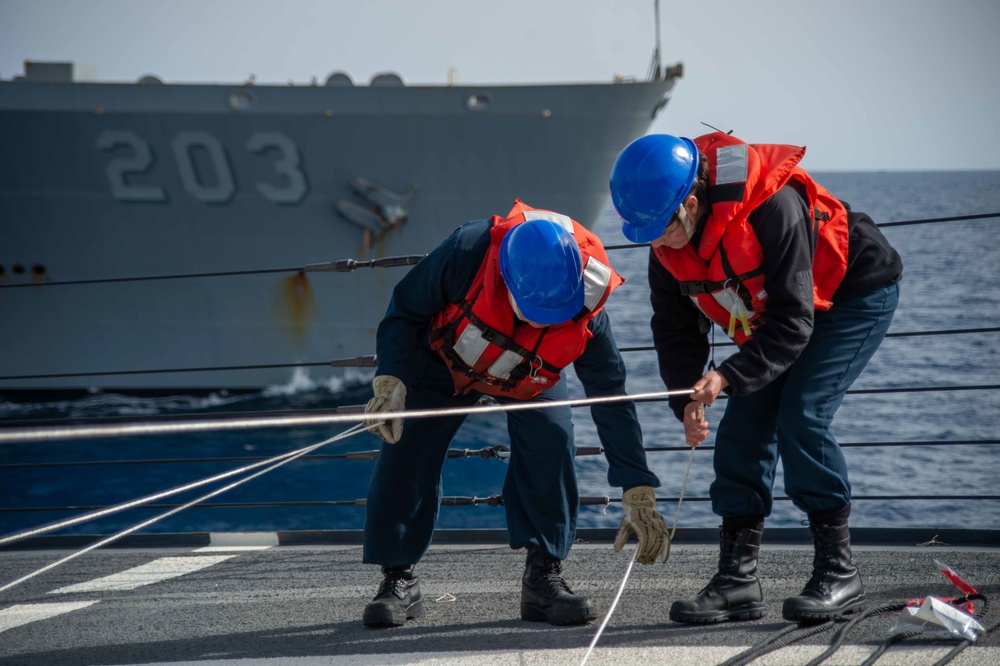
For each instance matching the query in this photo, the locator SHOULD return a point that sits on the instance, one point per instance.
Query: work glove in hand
(390, 396)
(649, 527)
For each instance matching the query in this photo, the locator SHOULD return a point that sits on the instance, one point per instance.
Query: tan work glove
(390, 396)
(642, 518)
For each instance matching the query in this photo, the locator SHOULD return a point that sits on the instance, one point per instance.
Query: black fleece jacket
(784, 228)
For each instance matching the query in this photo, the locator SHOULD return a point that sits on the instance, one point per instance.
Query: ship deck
(265, 598)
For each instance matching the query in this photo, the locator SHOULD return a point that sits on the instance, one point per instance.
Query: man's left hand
(708, 388)
(649, 527)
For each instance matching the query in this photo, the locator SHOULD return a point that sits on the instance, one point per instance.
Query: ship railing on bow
(111, 426)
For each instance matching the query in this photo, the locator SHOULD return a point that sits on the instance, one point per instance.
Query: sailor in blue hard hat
(650, 181)
(741, 236)
(542, 267)
(500, 308)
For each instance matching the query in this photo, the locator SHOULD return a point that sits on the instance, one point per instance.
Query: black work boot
(835, 588)
(545, 596)
(398, 599)
(734, 593)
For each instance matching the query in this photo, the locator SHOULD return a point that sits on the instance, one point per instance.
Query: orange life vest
(478, 340)
(723, 275)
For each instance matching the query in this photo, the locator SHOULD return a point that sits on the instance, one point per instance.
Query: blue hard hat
(542, 267)
(650, 179)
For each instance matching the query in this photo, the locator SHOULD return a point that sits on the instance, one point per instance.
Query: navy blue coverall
(540, 493)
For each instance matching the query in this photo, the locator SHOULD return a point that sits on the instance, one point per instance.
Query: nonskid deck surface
(302, 605)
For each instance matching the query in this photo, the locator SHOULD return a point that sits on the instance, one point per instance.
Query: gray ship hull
(112, 180)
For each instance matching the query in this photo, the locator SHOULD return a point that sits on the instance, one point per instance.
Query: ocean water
(949, 283)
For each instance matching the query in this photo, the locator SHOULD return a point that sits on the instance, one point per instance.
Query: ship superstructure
(151, 179)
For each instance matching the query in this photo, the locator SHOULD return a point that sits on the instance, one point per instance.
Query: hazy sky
(864, 84)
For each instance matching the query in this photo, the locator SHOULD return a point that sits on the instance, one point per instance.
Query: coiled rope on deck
(796, 632)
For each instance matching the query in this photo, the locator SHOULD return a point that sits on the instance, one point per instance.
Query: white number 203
(216, 187)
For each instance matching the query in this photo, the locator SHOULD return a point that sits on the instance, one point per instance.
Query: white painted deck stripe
(259, 539)
(20, 614)
(146, 574)
(899, 655)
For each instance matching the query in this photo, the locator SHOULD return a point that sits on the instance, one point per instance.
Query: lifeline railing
(104, 426)
(9, 431)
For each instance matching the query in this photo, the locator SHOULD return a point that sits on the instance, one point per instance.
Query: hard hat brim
(552, 316)
(643, 234)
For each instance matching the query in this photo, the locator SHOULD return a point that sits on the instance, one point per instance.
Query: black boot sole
(753, 611)
(849, 609)
(583, 615)
(379, 615)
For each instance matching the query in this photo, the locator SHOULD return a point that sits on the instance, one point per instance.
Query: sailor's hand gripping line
(118, 430)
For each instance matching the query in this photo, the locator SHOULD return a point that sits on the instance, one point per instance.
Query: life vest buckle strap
(495, 337)
(698, 288)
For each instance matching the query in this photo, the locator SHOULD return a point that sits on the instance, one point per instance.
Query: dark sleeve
(680, 334)
(442, 277)
(784, 228)
(601, 370)
(871, 261)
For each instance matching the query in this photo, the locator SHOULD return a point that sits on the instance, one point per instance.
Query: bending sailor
(500, 308)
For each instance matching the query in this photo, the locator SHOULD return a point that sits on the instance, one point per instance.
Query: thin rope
(680, 499)
(17, 435)
(114, 537)
(614, 604)
(167, 493)
(631, 562)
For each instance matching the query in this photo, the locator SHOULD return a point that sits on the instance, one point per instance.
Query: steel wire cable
(369, 360)
(141, 428)
(901, 223)
(338, 266)
(106, 511)
(19, 435)
(347, 265)
(901, 334)
(492, 501)
(372, 455)
(310, 416)
(281, 460)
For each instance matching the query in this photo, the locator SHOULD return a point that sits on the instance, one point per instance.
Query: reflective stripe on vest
(596, 277)
(731, 165)
(563, 221)
(470, 346)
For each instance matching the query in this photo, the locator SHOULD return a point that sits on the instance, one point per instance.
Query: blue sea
(950, 282)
